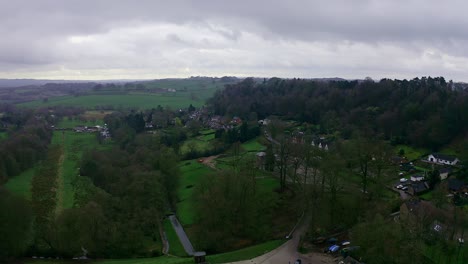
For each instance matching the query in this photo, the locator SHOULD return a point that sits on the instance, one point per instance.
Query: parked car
(399, 186)
(403, 180)
(298, 261)
(333, 249)
(404, 188)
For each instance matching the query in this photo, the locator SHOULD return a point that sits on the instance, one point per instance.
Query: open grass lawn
(427, 196)
(3, 135)
(71, 123)
(140, 101)
(253, 146)
(196, 144)
(411, 153)
(21, 184)
(192, 173)
(207, 131)
(74, 145)
(422, 169)
(268, 184)
(206, 137)
(175, 247)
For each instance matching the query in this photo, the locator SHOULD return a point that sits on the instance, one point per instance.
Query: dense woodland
(422, 112)
(29, 136)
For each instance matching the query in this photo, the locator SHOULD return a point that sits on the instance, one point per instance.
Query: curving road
(287, 253)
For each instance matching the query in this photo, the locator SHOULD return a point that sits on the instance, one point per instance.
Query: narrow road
(184, 240)
(287, 253)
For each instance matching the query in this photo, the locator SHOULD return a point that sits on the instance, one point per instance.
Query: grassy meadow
(139, 101)
(192, 173)
(74, 145)
(185, 92)
(3, 135)
(21, 184)
(175, 247)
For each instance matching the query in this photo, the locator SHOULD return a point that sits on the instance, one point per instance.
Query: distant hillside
(11, 83)
(175, 93)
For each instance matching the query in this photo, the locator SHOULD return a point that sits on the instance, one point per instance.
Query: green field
(140, 101)
(268, 184)
(191, 174)
(21, 184)
(410, 152)
(175, 247)
(207, 131)
(67, 122)
(74, 145)
(253, 146)
(195, 144)
(3, 135)
(142, 94)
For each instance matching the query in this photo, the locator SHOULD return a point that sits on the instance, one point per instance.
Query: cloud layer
(300, 38)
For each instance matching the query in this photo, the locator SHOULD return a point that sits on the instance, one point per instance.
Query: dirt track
(210, 161)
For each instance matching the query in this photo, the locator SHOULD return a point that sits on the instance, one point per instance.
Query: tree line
(423, 112)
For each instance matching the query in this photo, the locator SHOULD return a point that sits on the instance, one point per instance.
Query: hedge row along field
(44, 194)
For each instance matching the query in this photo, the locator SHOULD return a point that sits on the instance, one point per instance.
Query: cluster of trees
(29, 136)
(136, 186)
(16, 225)
(44, 198)
(231, 208)
(242, 133)
(121, 198)
(337, 182)
(124, 126)
(422, 111)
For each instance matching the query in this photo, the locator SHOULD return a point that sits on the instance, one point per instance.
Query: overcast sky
(112, 39)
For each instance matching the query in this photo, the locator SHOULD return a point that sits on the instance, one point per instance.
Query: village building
(438, 158)
(418, 188)
(444, 173)
(417, 178)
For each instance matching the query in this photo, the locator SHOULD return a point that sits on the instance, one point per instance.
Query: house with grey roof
(442, 159)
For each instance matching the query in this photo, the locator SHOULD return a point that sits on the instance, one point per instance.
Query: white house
(417, 178)
(442, 159)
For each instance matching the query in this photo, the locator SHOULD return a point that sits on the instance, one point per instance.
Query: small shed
(199, 257)
(444, 172)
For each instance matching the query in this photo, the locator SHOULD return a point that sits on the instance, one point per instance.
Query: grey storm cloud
(303, 38)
